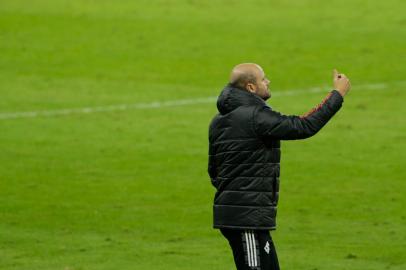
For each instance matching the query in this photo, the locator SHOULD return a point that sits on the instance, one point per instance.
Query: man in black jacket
(244, 156)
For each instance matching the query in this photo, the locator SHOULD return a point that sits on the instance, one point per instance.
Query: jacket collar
(231, 98)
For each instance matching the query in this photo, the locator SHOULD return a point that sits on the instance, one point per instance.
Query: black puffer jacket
(244, 155)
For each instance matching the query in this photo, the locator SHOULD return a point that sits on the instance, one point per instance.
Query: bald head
(250, 77)
(245, 73)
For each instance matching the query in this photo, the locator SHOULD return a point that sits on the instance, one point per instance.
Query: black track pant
(252, 249)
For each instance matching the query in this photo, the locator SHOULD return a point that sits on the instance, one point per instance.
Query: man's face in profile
(262, 85)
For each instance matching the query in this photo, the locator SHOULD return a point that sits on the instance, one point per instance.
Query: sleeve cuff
(338, 95)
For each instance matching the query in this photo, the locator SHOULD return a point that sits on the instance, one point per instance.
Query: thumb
(335, 73)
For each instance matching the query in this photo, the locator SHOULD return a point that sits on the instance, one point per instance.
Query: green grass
(129, 189)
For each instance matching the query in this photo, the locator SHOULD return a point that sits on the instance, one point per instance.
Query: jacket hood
(231, 98)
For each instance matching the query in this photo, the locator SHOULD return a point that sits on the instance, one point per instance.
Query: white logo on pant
(267, 247)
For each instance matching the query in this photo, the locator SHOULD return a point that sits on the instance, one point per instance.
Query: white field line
(160, 104)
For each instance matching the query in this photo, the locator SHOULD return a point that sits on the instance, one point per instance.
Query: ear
(251, 87)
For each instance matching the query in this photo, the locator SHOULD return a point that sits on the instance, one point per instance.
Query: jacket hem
(244, 227)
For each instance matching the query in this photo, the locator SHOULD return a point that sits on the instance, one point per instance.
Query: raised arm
(273, 125)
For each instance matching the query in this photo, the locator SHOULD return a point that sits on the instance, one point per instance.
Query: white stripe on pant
(251, 249)
(248, 249)
(255, 249)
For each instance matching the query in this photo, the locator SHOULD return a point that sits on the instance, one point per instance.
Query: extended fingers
(335, 73)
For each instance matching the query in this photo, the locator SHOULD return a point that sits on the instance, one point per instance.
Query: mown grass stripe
(171, 103)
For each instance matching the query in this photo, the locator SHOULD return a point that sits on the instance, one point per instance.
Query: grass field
(128, 189)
